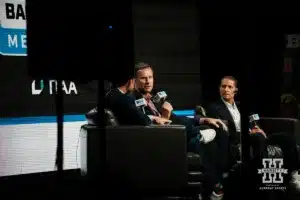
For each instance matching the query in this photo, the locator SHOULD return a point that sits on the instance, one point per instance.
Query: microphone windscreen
(162, 94)
(254, 117)
(140, 102)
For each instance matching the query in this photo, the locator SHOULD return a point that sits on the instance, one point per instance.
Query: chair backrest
(277, 125)
(110, 118)
(273, 124)
(92, 116)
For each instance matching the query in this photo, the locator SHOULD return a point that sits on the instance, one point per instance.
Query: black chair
(195, 176)
(161, 150)
(285, 125)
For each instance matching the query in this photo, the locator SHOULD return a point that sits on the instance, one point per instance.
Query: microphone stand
(59, 115)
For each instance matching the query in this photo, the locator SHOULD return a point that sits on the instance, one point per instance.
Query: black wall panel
(166, 37)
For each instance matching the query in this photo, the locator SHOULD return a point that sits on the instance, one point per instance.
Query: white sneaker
(208, 135)
(215, 196)
(296, 180)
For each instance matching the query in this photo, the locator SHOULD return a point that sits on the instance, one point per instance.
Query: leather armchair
(159, 152)
(286, 125)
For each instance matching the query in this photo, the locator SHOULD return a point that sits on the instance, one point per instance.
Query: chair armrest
(287, 125)
(272, 124)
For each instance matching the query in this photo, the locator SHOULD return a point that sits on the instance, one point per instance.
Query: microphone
(253, 120)
(141, 103)
(160, 96)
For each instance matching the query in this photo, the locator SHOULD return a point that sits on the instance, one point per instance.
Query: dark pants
(285, 141)
(214, 156)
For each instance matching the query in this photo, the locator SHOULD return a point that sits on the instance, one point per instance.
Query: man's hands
(256, 129)
(166, 110)
(215, 122)
(161, 121)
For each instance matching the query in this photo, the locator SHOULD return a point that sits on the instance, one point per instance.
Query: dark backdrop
(220, 51)
(17, 101)
(166, 37)
(255, 55)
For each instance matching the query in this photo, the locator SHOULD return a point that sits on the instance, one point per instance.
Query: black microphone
(254, 120)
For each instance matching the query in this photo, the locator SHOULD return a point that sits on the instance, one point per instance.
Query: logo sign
(272, 172)
(37, 87)
(13, 28)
